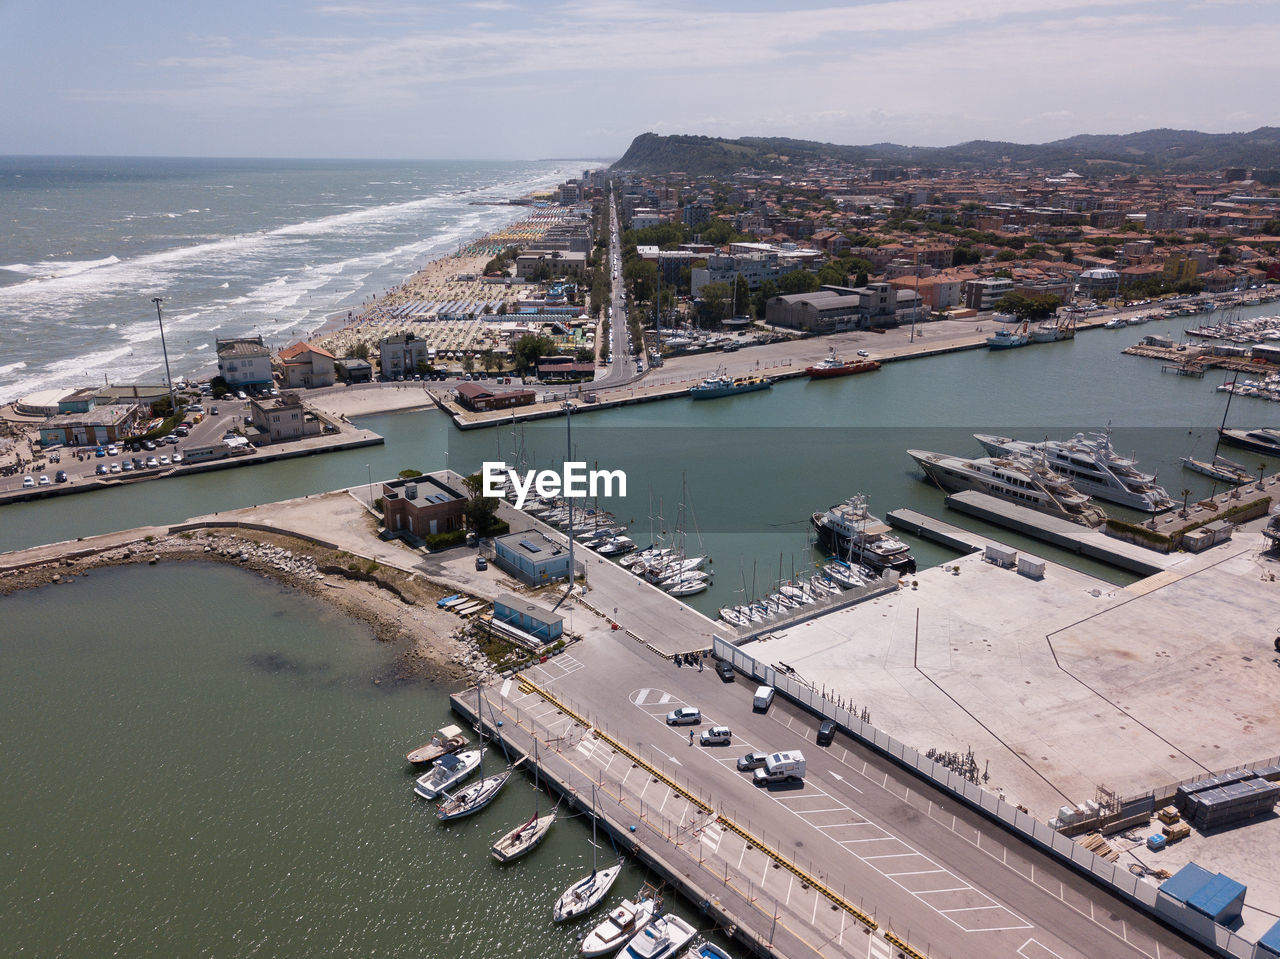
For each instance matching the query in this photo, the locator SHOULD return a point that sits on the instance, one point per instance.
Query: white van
(763, 698)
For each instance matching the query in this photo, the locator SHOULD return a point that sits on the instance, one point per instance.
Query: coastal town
(971, 757)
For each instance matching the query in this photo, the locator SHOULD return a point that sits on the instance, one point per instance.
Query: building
(244, 362)
(478, 397)
(984, 293)
(352, 369)
(401, 355)
(532, 557)
(303, 366)
(422, 506)
(1215, 896)
(283, 417)
(564, 369)
(558, 262)
(834, 308)
(754, 267)
(97, 426)
(517, 613)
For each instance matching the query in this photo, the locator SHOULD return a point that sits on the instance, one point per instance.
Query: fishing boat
(585, 894)
(1020, 480)
(474, 798)
(661, 939)
(623, 923)
(447, 771)
(850, 531)
(1007, 339)
(446, 739)
(832, 365)
(523, 838)
(713, 387)
(1092, 465)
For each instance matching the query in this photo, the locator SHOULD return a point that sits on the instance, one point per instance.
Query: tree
(490, 361)
(479, 510)
(797, 281)
(584, 355)
(1026, 307)
(741, 296)
(409, 473)
(715, 301)
(468, 363)
(526, 350)
(768, 290)
(360, 351)
(642, 277)
(832, 275)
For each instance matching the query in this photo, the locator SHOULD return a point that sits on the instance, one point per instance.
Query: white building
(244, 361)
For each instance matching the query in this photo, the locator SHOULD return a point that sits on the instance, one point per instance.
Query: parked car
(164, 460)
(213, 411)
(115, 468)
(177, 457)
(717, 736)
(101, 469)
(751, 761)
(481, 563)
(724, 669)
(44, 479)
(61, 476)
(127, 466)
(148, 445)
(28, 482)
(826, 733)
(684, 716)
(863, 353)
(152, 461)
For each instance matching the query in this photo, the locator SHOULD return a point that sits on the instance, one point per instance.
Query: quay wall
(1110, 876)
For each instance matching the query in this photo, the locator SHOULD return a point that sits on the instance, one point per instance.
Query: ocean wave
(47, 270)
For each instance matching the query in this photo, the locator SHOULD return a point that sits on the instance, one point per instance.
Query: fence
(1116, 878)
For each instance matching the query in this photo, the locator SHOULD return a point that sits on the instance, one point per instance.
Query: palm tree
(1185, 493)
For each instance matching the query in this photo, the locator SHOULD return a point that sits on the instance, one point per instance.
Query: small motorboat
(446, 739)
(623, 923)
(448, 770)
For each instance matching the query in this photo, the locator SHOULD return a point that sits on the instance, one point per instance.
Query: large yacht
(1258, 441)
(851, 533)
(1092, 466)
(1018, 479)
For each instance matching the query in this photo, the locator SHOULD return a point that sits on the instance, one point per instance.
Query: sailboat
(478, 795)
(1220, 468)
(526, 836)
(585, 894)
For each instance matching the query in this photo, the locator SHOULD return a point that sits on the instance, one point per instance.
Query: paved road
(920, 862)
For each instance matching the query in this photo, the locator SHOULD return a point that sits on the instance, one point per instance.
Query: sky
(513, 79)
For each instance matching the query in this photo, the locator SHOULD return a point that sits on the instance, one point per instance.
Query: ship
(1259, 441)
(851, 533)
(1007, 339)
(1092, 465)
(714, 387)
(1051, 331)
(1019, 480)
(832, 365)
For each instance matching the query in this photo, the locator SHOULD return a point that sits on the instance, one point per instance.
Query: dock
(935, 530)
(1062, 533)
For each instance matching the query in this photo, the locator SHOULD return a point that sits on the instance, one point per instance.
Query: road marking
(920, 872)
(506, 689)
(1041, 951)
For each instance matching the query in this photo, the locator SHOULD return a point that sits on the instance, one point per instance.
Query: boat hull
(845, 369)
(1241, 439)
(715, 392)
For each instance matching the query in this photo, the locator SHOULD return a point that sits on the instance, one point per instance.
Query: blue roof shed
(1184, 883)
(1269, 944)
(1221, 899)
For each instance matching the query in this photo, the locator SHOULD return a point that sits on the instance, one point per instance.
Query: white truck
(781, 767)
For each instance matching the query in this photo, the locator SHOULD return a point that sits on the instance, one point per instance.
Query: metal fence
(1115, 877)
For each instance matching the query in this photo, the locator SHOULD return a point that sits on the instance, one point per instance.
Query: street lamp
(173, 406)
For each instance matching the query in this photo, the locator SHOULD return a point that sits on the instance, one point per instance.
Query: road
(915, 859)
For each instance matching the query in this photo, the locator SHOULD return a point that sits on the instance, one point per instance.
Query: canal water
(751, 469)
(198, 762)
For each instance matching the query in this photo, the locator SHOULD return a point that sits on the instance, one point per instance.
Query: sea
(231, 247)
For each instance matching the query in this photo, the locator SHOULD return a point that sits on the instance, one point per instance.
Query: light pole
(369, 470)
(173, 406)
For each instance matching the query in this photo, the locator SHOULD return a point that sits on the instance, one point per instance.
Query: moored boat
(447, 771)
(623, 923)
(523, 838)
(1018, 479)
(833, 365)
(447, 739)
(661, 939)
(1221, 469)
(1265, 441)
(714, 387)
(705, 950)
(848, 530)
(474, 798)
(585, 894)
(1006, 339)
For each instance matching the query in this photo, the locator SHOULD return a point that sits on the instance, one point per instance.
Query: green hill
(1150, 150)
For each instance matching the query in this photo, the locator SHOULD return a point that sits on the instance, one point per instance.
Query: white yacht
(852, 533)
(447, 771)
(661, 939)
(1092, 466)
(623, 923)
(1025, 482)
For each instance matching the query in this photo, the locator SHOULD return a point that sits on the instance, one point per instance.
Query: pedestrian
(699, 665)
(691, 737)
